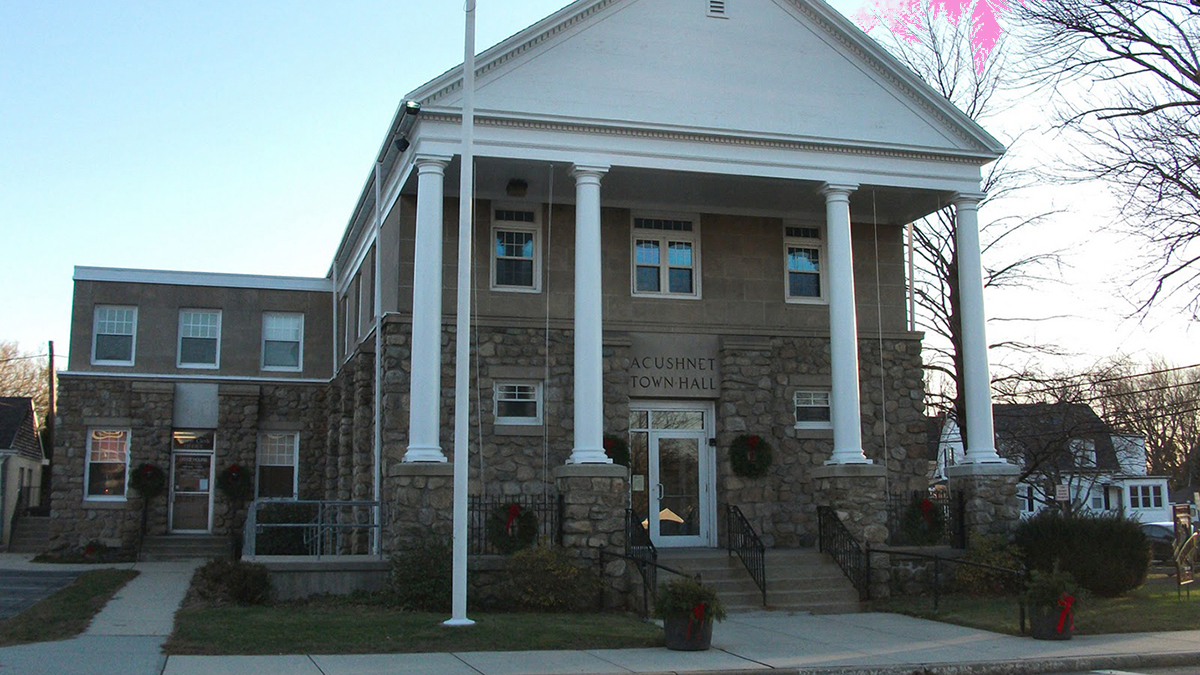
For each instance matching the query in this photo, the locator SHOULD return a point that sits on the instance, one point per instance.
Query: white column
(425, 386)
(981, 440)
(843, 329)
(589, 329)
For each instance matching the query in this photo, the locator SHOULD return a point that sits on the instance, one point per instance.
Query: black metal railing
(909, 521)
(313, 528)
(547, 508)
(837, 541)
(640, 549)
(1014, 579)
(740, 538)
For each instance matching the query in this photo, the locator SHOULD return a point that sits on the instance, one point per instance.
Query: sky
(227, 136)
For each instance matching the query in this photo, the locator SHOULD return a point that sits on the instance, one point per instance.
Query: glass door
(191, 492)
(672, 474)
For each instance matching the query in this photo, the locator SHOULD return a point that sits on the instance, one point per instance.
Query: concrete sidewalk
(126, 636)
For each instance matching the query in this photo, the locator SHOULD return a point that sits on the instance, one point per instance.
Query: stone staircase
(798, 580)
(184, 547)
(31, 535)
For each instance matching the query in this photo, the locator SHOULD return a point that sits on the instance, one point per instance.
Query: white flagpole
(462, 335)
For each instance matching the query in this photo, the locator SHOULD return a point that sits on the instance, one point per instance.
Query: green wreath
(236, 483)
(750, 455)
(511, 528)
(148, 480)
(617, 449)
(923, 523)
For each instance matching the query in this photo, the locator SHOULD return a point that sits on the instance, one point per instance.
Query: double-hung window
(803, 250)
(114, 332)
(282, 341)
(666, 257)
(199, 338)
(1145, 497)
(812, 408)
(107, 464)
(516, 250)
(518, 403)
(277, 452)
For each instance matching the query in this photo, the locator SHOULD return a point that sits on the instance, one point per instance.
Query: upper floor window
(516, 250)
(666, 255)
(282, 341)
(805, 274)
(277, 454)
(107, 464)
(199, 338)
(114, 335)
(1145, 496)
(812, 408)
(518, 403)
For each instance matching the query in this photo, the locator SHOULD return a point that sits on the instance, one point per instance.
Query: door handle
(660, 490)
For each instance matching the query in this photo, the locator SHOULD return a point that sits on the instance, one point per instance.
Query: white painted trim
(295, 464)
(708, 459)
(664, 236)
(808, 424)
(499, 420)
(534, 228)
(822, 264)
(213, 279)
(179, 362)
(132, 346)
(188, 376)
(299, 367)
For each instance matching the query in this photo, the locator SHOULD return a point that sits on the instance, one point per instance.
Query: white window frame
(803, 392)
(664, 239)
(822, 262)
(517, 421)
(179, 362)
(534, 228)
(258, 463)
(96, 334)
(87, 466)
(299, 352)
(1147, 492)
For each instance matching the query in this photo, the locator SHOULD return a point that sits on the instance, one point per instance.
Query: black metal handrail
(640, 548)
(740, 538)
(647, 566)
(1018, 576)
(837, 541)
(547, 508)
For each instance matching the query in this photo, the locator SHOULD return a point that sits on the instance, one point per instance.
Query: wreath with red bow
(750, 456)
(512, 527)
(617, 449)
(148, 480)
(924, 522)
(236, 482)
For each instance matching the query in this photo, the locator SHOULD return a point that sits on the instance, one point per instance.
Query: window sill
(516, 289)
(280, 369)
(113, 503)
(805, 431)
(807, 301)
(665, 296)
(502, 429)
(126, 364)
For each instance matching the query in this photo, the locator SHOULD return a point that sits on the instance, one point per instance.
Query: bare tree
(942, 50)
(1126, 75)
(25, 374)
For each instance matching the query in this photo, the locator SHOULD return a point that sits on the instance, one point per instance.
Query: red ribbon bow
(513, 511)
(696, 617)
(926, 509)
(1065, 602)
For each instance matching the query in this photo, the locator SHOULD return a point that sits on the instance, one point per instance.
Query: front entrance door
(191, 492)
(673, 472)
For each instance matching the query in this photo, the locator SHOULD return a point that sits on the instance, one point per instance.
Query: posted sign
(1185, 543)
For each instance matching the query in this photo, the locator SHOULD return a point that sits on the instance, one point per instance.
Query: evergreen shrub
(1106, 554)
(994, 550)
(548, 579)
(421, 577)
(224, 581)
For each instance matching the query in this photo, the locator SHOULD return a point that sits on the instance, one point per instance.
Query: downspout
(912, 284)
(377, 441)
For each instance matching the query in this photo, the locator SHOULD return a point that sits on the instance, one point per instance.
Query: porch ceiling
(688, 192)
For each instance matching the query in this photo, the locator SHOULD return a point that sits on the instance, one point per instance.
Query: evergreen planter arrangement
(688, 610)
(1050, 599)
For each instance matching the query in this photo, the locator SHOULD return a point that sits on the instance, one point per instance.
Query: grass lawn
(366, 626)
(66, 613)
(1153, 607)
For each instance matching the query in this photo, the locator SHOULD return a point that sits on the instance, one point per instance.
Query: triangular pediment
(792, 69)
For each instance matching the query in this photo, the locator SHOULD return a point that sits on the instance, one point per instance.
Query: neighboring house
(21, 459)
(1069, 445)
(689, 227)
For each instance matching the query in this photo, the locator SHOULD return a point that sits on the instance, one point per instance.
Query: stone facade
(595, 498)
(990, 496)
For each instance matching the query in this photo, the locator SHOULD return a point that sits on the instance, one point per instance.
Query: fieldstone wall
(595, 497)
(300, 408)
(420, 498)
(855, 492)
(990, 496)
(237, 443)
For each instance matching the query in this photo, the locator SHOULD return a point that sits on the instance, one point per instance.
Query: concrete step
(184, 547)
(32, 535)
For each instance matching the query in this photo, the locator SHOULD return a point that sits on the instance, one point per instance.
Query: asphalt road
(19, 590)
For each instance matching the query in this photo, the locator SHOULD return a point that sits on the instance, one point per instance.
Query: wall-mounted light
(401, 144)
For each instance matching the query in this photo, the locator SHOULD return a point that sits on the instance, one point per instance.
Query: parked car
(1162, 539)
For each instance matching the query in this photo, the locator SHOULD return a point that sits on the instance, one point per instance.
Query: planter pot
(1043, 625)
(680, 638)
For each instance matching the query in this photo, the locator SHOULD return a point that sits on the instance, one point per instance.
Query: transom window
(516, 250)
(199, 338)
(107, 464)
(804, 273)
(283, 341)
(518, 403)
(113, 335)
(665, 257)
(277, 452)
(812, 408)
(1145, 496)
